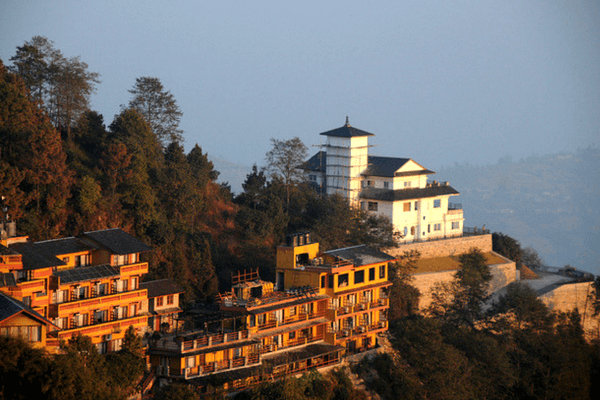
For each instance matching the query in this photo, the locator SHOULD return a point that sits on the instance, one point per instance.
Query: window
(386, 185)
(170, 299)
(29, 333)
(455, 225)
(369, 183)
(190, 362)
(323, 281)
(292, 311)
(359, 277)
(330, 281)
(412, 230)
(416, 205)
(428, 228)
(292, 335)
(437, 203)
(159, 301)
(312, 178)
(102, 289)
(66, 260)
(382, 272)
(342, 280)
(102, 347)
(407, 184)
(437, 227)
(82, 260)
(405, 231)
(363, 205)
(372, 274)
(372, 206)
(407, 206)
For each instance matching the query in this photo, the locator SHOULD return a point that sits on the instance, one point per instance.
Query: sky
(441, 82)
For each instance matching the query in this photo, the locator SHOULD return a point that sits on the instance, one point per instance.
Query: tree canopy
(158, 107)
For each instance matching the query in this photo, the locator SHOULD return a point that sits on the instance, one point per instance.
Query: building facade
(396, 188)
(323, 306)
(88, 285)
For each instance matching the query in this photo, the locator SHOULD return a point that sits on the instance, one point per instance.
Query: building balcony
(348, 332)
(211, 367)
(104, 328)
(39, 299)
(357, 308)
(300, 341)
(198, 343)
(30, 287)
(273, 323)
(95, 303)
(133, 269)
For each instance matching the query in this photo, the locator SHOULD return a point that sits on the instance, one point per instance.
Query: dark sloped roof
(361, 255)
(5, 251)
(318, 162)
(346, 131)
(7, 279)
(34, 257)
(378, 166)
(118, 241)
(82, 274)
(384, 166)
(406, 194)
(161, 287)
(62, 246)
(10, 306)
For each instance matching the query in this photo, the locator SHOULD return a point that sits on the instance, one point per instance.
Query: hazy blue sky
(437, 81)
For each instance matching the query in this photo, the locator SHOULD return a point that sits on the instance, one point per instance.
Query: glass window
(437, 227)
(407, 206)
(386, 185)
(382, 272)
(372, 274)
(372, 206)
(359, 276)
(437, 203)
(455, 225)
(342, 280)
(170, 299)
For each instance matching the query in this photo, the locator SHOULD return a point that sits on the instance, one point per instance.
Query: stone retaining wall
(502, 275)
(572, 296)
(445, 247)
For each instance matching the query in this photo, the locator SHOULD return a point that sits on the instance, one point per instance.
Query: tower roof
(346, 131)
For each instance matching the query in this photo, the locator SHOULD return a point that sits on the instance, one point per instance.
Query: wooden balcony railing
(202, 341)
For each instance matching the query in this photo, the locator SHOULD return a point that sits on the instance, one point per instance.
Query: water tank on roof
(300, 239)
(11, 228)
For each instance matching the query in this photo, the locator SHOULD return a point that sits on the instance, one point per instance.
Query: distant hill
(550, 203)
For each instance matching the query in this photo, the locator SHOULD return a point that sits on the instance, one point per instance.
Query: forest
(64, 170)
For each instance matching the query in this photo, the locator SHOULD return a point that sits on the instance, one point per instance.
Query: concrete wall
(502, 275)
(446, 247)
(574, 296)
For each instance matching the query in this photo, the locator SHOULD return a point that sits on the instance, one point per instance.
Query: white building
(389, 186)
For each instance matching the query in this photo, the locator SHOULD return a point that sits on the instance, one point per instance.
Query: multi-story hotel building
(86, 285)
(322, 306)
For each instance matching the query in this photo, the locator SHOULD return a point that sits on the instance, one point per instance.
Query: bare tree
(284, 161)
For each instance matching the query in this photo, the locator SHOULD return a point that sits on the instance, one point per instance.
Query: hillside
(546, 202)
